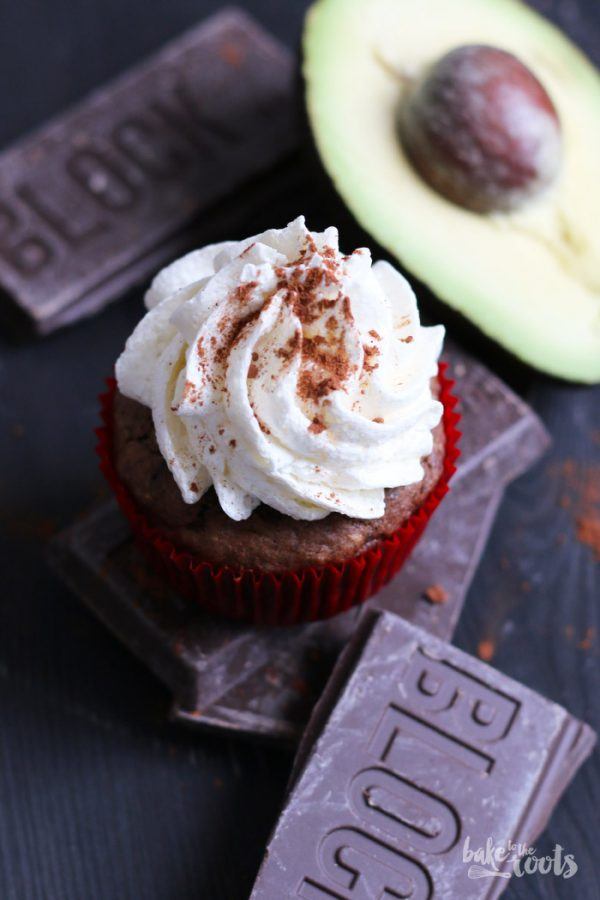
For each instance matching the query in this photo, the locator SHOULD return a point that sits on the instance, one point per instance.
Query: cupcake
(280, 430)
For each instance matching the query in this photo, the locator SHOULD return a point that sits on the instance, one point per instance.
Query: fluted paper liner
(282, 597)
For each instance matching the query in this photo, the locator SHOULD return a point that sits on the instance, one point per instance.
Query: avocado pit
(481, 130)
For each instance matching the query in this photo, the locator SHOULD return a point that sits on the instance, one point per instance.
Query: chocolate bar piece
(98, 199)
(416, 757)
(264, 682)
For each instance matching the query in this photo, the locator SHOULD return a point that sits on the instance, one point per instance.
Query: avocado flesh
(530, 279)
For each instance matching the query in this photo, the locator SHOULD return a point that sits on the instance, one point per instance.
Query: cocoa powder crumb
(347, 310)
(486, 650)
(379, 420)
(243, 291)
(287, 351)
(370, 352)
(407, 340)
(586, 642)
(588, 532)
(435, 593)
(190, 394)
(252, 371)
(317, 425)
(233, 54)
(233, 442)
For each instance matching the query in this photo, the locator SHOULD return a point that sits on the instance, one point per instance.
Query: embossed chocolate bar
(415, 756)
(99, 198)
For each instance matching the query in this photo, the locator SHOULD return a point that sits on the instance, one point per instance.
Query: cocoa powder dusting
(435, 593)
(486, 650)
(588, 532)
(242, 293)
(288, 350)
(581, 497)
(311, 288)
(317, 425)
(311, 293)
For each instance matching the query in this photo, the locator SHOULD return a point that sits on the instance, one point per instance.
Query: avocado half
(530, 278)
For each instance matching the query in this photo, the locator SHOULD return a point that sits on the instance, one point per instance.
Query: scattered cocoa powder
(486, 649)
(588, 532)
(435, 593)
(288, 350)
(588, 639)
(581, 496)
(370, 352)
(312, 289)
(243, 291)
(233, 54)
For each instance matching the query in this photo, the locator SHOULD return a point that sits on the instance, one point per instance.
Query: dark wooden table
(100, 798)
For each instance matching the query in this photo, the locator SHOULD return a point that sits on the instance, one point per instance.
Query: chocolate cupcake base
(276, 597)
(268, 539)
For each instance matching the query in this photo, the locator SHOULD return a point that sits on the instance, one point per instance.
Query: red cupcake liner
(287, 597)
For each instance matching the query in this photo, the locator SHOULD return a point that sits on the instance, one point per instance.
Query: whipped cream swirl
(280, 371)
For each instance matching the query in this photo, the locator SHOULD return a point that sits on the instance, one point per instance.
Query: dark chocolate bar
(98, 199)
(264, 682)
(417, 757)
